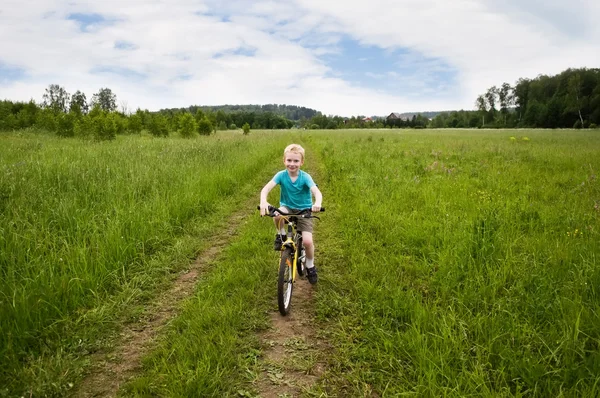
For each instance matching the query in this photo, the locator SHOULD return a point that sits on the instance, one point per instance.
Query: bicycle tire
(299, 264)
(285, 284)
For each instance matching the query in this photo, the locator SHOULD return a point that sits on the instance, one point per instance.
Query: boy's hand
(316, 207)
(264, 208)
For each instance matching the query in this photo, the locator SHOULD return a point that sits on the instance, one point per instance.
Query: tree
(521, 96)
(536, 113)
(56, 98)
(491, 96)
(506, 99)
(199, 115)
(79, 103)
(480, 104)
(246, 128)
(106, 99)
(575, 97)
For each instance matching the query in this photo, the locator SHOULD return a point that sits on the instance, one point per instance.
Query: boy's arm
(318, 198)
(263, 197)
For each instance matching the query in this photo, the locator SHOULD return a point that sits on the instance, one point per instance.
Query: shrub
(187, 125)
(105, 127)
(46, 120)
(120, 123)
(65, 126)
(134, 124)
(158, 126)
(246, 128)
(593, 126)
(331, 125)
(577, 125)
(232, 126)
(204, 127)
(83, 128)
(222, 126)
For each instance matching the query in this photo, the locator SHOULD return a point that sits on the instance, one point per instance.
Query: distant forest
(570, 99)
(291, 112)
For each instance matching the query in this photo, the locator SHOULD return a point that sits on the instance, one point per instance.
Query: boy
(296, 189)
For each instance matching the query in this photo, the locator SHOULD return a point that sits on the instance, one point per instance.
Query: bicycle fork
(290, 243)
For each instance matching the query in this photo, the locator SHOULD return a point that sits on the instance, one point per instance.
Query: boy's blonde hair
(295, 148)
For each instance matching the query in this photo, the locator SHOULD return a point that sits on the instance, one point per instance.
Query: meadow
(452, 262)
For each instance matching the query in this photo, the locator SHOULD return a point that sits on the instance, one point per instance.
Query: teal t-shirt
(295, 195)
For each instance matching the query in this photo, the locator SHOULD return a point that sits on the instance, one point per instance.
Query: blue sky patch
(125, 45)
(220, 17)
(184, 77)
(395, 71)
(245, 51)
(88, 21)
(10, 73)
(119, 71)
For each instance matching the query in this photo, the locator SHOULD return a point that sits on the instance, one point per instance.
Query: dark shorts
(304, 224)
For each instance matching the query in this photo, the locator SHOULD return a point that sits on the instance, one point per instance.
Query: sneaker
(311, 274)
(278, 242)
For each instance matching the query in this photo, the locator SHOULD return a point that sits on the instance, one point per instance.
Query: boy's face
(293, 161)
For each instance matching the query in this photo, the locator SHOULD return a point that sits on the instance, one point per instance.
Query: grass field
(452, 262)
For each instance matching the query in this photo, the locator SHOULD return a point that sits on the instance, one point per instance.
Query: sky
(340, 57)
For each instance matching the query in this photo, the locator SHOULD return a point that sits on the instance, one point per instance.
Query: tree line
(100, 118)
(570, 99)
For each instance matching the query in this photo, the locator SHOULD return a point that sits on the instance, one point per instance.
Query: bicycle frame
(291, 241)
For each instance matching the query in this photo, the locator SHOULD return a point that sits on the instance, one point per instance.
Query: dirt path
(111, 370)
(292, 350)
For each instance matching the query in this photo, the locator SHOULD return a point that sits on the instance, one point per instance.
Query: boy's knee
(307, 241)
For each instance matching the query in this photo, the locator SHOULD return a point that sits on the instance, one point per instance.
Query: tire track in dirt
(293, 352)
(292, 359)
(110, 370)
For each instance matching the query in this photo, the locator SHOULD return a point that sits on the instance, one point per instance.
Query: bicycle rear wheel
(284, 281)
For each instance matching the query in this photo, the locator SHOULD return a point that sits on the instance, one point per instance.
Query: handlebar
(302, 213)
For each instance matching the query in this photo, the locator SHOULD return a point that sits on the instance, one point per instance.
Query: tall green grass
(89, 227)
(461, 263)
(450, 262)
(212, 349)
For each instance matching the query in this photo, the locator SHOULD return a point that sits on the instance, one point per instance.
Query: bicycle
(292, 256)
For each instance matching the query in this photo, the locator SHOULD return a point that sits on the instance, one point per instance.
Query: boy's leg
(309, 247)
(280, 227)
(280, 222)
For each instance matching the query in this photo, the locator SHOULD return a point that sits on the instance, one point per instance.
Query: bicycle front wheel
(285, 283)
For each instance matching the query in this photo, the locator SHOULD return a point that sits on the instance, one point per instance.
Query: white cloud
(215, 52)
